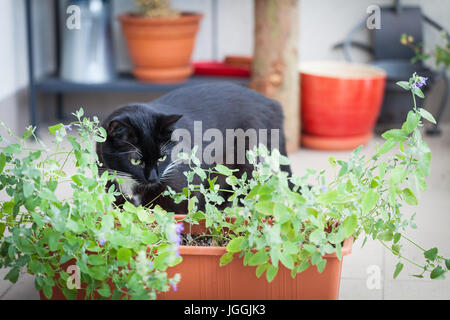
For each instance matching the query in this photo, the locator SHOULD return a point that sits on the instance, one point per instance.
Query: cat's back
(224, 100)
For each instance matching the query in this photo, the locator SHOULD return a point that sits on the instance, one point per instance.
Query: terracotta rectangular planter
(202, 278)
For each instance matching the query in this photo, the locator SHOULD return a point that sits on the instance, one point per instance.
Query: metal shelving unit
(124, 82)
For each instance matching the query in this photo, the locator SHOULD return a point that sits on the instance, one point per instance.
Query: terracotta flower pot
(202, 278)
(161, 48)
(340, 103)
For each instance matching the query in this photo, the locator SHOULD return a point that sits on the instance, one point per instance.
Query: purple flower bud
(179, 228)
(324, 188)
(68, 127)
(422, 82)
(174, 286)
(101, 242)
(151, 264)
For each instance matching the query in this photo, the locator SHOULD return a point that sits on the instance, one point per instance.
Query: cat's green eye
(135, 162)
(163, 158)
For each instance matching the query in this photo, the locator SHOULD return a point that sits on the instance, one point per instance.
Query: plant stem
(402, 257)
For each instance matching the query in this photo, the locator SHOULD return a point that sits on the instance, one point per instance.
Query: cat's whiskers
(166, 146)
(170, 170)
(136, 148)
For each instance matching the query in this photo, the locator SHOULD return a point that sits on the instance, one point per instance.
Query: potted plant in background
(160, 41)
(301, 232)
(347, 117)
(80, 247)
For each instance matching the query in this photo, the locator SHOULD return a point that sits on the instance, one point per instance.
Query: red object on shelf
(214, 68)
(340, 103)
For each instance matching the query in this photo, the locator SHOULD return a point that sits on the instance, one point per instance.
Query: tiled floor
(367, 273)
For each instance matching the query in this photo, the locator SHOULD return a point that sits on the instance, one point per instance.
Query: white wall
(13, 44)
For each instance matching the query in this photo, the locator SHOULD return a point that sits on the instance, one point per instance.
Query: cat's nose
(153, 177)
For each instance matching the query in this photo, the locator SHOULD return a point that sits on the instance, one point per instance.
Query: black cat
(144, 139)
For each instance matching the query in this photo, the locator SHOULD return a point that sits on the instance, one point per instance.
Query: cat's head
(138, 145)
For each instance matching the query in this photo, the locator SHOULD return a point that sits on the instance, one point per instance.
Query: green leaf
(223, 170)
(332, 161)
(231, 180)
(387, 146)
(438, 273)
(321, 265)
(78, 179)
(28, 189)
(69, 294)
(144, 215)
(13, 275)
(98, 272)
(2, 229)
(2, 162)
(431, 254)
(409, 197)
(96, 260)
(48, 195)
(404, 84)
(317, 236)
(398, 269)
(287, 261)
(271, 273)
(260, 269)
(418, 92)
(55, 128)
(425, 114)
(387, 235)
(447, 264)
(350, 224)
(258, 258)
(149, 237)
(48, 291)
(369, 200)
(339, 251)
(265, 207)
(281, 213)
(53, 238)
(235, 245)
(411, 123)
(302, 266)
(105, 290)
(397, 176)
(397, 237)
(12, 149)
(226, 259)
(124, 254)
(395, 135)
(328, 197)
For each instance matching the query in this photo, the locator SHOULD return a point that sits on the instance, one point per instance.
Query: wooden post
(275, 61)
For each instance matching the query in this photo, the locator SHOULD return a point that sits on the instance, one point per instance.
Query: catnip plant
(270, 223)
(440, 54)
(117, 253)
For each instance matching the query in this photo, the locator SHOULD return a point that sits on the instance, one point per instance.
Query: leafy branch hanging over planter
(269, 223)
(118, 254)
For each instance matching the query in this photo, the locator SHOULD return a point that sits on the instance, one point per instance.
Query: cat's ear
(165, 124)
(168, 121)
(118, 129)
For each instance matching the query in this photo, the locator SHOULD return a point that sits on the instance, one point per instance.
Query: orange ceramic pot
(340, 103)
(161, 48)
(202, 278)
